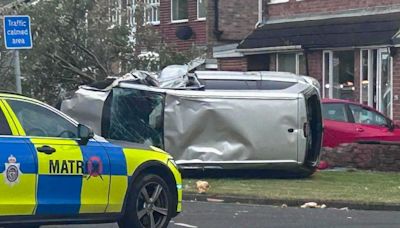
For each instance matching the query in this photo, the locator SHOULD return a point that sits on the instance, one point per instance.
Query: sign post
(17, 35)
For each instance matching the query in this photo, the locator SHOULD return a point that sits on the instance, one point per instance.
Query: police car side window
(42, 122)
(4, 127)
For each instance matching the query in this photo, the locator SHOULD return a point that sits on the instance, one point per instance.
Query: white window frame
(198, 11)
(370, 76)
(379, 77)
(330, 76)
(155, 11)
(297, 60)
(172, 15)
(277, 1)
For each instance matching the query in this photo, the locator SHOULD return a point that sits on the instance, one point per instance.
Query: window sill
(275, 3)
(180, 21)
(201, 19)
(151, 23)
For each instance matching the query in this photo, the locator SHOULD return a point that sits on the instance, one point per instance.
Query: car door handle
(46, 149)
(359, 130)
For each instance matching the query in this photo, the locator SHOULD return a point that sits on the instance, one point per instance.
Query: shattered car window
(137, 116)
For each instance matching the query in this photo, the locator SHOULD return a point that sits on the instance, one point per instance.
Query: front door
(72, 179)
(376, 80)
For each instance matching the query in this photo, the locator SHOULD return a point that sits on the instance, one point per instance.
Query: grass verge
(357, 186)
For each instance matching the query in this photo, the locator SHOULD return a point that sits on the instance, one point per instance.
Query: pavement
(288, 202)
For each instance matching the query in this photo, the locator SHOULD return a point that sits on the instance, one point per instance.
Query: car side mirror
(84, 134)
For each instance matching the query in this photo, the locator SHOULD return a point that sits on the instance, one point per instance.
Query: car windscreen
(224, 84)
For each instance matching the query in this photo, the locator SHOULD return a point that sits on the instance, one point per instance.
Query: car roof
(7, 94)
(248, 75)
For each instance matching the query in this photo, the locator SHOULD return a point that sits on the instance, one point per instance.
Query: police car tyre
(150, 204)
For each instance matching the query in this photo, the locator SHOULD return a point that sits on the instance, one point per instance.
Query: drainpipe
(260, 13)
(217, 32)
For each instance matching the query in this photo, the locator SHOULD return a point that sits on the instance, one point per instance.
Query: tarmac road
(210, 215)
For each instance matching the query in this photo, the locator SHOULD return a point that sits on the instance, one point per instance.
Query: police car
(55, 170)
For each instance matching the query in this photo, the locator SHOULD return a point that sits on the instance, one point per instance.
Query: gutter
(249, 51)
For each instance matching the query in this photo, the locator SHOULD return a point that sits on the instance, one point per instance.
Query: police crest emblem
(12, 171)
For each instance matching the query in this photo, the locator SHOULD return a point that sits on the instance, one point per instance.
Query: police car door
(72, 179)
(17, 169)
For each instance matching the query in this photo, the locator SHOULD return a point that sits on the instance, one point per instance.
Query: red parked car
(347, 122)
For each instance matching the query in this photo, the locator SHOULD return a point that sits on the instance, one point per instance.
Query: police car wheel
(150, 204)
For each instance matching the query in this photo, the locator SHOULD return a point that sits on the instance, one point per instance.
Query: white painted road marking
(185, 225)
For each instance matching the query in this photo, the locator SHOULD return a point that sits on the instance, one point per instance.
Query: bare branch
(68, 66)
(90, 53)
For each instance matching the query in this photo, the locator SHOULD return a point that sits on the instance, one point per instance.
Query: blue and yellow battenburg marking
(18, 186)
(73, 180)
(79, 179)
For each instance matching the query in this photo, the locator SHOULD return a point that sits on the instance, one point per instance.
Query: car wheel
(150, 204)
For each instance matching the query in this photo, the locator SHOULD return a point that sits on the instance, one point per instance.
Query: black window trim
(3, 114)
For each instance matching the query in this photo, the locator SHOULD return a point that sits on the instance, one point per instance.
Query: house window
(291, 62)
(179, 10)
(152, 12)
(338, 74)
(130, 12)
(201, 9)
(115, 11)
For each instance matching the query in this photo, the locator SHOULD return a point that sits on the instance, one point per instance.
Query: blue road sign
(17, 32)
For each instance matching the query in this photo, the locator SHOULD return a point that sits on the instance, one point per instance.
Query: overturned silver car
(210, 119)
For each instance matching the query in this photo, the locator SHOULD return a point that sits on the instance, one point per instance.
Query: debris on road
(284, 206)
(312, 205)
(344, 209)
(215, 200)
(202, 186)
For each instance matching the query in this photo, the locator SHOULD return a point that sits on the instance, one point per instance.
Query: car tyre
(150, 204)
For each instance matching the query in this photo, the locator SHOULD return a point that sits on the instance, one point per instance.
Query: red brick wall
(294, 7)
(396, 85)
(315, 65)
(237, 18)
(233, 64)
(272, 62)
(168, 29)
(367, 157)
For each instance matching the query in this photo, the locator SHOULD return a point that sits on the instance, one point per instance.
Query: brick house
(202, 23)
(351, 47)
